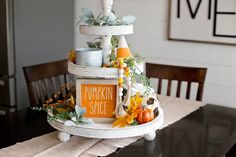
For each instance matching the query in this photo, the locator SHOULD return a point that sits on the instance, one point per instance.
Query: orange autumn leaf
(135, 112)
(123, 121)
(129, 119)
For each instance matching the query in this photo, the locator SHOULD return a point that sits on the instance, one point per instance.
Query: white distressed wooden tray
(106, 131)
(92, 72)
(106, 30)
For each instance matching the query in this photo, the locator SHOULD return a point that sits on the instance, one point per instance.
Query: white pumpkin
(151, 102)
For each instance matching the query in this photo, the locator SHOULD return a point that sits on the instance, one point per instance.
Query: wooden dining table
(210, 131)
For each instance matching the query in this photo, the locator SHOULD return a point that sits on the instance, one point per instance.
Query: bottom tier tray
(106, 131)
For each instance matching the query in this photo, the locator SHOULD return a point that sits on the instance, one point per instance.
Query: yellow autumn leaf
(135, 104)
(133, 109)
(121, 122)
(72, 102)
(135, 101)
(72, 55)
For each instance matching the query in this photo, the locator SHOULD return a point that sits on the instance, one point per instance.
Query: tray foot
(150, 136)
(63, 136)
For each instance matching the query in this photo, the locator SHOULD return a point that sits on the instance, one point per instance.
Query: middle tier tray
(92, 72)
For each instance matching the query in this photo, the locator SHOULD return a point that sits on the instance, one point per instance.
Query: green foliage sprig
(36, 108)
(137, 76)
(96, 43)
(88, 18)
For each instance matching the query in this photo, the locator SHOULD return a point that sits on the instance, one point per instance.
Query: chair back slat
(65, 78)
(43, 80)
(38, 93)
(179, 74)
(58, 83)
(159, 86)
(188, 90)
(46, 87)
(50, 85)
(169, 88)
(200, 91)
(42, 90)
(178, 89)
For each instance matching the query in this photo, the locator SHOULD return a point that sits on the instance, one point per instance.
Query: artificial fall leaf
(49, 105)
(134, 113)
(59, 101)
(61, 110)
(72, 102)
(129, 119)
(133, 110)
(123, 121)
(135, 103)
(72, 56)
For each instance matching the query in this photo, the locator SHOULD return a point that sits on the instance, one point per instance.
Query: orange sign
(98, 99)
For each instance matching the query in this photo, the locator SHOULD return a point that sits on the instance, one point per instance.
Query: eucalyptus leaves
(77, 117)
(88, 18)
(70, 118)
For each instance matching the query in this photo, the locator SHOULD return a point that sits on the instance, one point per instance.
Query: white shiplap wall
(150, 39)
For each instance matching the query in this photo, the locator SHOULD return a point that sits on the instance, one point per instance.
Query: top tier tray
(106, 30)
(92, 72)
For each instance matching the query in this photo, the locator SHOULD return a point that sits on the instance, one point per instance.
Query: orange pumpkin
(145, 115)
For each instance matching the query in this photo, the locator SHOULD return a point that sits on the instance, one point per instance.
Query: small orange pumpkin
(145, 115)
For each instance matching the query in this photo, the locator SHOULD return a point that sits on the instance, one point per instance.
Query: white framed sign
(98, 97)
(203, 20)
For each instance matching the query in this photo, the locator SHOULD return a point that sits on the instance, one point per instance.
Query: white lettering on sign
(98, 107)
(98, 93)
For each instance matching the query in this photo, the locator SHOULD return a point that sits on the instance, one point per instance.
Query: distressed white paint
(106, 131)
(106, 30)
(63, 136)
(92, 72)
(150, 39)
